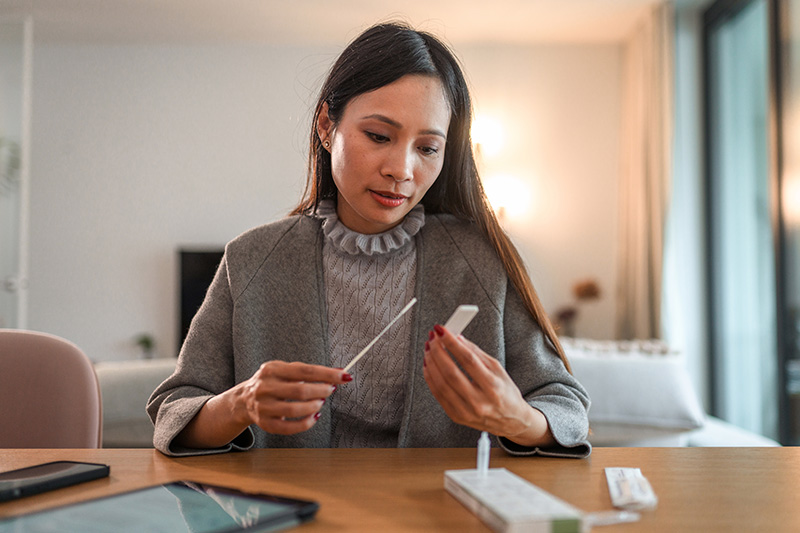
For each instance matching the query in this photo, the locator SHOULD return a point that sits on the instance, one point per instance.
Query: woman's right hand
(286, 398)
(281, 398)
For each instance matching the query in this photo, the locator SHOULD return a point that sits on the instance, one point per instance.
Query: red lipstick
(388, 199)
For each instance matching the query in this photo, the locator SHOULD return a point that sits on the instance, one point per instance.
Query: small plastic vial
(484, 445)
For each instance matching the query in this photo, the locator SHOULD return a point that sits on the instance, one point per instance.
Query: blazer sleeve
(204, 369)
(545, 383)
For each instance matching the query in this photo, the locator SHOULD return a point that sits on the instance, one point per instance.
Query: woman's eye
(429, 150)
(377, 137)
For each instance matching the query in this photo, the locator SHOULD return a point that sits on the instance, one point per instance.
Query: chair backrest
(49, 394)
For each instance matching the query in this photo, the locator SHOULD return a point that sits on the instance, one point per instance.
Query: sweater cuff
(580, 451)
(173, 418)
(243, 442)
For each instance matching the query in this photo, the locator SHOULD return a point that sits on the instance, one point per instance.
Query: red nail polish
(430, 335)
(347, 377)
(439, 330)
(316, 416)
(427, 346)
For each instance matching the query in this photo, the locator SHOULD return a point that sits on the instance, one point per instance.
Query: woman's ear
(324, 124)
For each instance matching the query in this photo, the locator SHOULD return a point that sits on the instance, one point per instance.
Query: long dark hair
(381, 55)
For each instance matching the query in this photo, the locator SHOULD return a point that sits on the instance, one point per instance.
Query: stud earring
(326, 144)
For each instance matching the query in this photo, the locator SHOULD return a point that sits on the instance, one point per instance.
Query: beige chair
(49, 395)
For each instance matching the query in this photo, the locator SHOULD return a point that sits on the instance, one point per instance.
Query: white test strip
(355, 359)
(629, 489)
(610, 518)
(460, 318)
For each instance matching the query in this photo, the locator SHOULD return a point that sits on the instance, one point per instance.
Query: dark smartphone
(48, 476)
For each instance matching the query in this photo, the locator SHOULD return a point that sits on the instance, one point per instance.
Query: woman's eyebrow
(395, 124)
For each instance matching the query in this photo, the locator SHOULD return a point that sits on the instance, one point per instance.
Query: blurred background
(642, 155)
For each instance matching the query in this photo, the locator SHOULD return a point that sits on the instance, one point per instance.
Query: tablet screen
(179, 506)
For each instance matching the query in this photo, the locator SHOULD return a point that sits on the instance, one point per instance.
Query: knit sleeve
(204, 369)
(545, 384)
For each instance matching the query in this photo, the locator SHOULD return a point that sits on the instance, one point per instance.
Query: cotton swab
(355, 359)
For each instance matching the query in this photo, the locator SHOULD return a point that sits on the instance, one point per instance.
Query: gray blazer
(267, 302)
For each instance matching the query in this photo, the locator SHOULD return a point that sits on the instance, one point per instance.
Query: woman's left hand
(482, 396)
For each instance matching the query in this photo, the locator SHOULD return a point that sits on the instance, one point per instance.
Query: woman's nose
(399, 164)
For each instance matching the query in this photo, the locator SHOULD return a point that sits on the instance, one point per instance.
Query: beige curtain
(646, 167)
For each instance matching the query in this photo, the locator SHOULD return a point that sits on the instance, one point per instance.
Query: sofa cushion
(641, 392)
(125, 387)
(718, 433)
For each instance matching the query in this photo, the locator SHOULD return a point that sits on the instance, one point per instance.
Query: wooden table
(699, 489)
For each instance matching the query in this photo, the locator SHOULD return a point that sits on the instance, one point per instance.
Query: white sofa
(641, 396)
(125, 387)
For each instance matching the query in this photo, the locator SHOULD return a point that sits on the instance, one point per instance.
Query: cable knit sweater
(368, 280)
(268, 301)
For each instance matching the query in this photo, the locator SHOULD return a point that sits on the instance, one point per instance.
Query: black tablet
(173, 507)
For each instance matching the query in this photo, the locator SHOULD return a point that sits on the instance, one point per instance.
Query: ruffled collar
(351, 242)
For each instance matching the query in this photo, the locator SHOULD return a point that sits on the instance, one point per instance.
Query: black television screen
(197, 269)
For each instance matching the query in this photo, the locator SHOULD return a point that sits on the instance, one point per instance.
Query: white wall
(138, 150)
(12, 174)
(561, 107)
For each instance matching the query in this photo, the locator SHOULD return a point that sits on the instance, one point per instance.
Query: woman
(393, 209)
